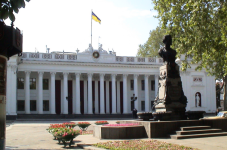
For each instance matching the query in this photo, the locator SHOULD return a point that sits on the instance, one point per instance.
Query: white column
(52, 93)
(90, 94)
(125, 94)
(40, 93)
(102, 104)
(147, 101)
(65, 92)
(107, 97)
(27, 92)
(13, 90)
(78, 93)
(156, 84)
(113, 93)
(136, 90)
(85, 97)
(8, 91)
(96, 97)
(118, 97)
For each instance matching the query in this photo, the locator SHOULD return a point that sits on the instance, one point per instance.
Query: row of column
(87, 94)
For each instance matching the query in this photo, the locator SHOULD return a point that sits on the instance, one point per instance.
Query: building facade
(95, 82)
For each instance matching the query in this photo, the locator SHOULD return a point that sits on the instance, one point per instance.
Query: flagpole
(91, 28)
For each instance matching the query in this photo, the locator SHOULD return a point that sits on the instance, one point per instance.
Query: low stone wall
(216, 123)
(157, 129)
(125, 132)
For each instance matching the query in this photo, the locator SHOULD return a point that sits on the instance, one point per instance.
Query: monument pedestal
(170, 98)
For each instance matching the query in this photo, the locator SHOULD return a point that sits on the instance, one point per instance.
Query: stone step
(194, 128)
(198, 131)
(198, 135)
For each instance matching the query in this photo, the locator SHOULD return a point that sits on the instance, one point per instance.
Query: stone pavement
(33, 135)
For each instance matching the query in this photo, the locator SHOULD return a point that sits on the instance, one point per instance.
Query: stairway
(197, 132)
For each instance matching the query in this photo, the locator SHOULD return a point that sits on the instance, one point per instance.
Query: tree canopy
(10, 7)
(153, 44)
(198, 29)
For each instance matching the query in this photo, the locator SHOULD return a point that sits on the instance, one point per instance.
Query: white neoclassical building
(94, 82)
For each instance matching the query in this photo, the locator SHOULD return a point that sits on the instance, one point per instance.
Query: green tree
(153, 44)
(199, 29)
(10, 7)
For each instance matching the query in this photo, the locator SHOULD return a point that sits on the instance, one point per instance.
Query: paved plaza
(33, 135)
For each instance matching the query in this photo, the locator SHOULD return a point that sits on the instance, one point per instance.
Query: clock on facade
(95, 54)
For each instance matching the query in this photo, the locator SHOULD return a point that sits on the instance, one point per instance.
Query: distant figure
(167, 53)
(134, 113)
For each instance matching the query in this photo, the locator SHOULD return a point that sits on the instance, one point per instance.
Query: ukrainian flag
(94, 17)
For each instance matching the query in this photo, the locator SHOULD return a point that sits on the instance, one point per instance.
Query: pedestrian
(134, 113)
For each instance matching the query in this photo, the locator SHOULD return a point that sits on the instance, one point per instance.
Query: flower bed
(122, 125)
(141, 144)
(101, 122)
(119, 131)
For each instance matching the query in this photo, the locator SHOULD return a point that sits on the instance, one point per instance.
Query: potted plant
(54, 128)
(66, 134)
(83, 125)
(70, 124)
(101, 122)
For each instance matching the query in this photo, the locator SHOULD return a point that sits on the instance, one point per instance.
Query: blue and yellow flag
(94, 17)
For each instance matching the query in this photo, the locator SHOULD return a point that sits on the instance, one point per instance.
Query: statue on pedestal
(170, 98)
(168, 54)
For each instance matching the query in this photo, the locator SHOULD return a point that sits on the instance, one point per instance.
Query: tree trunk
(225, 92)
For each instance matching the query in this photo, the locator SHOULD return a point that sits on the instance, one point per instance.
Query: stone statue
(100, 48)
(90, 48)
(197, 100)
(168, 54)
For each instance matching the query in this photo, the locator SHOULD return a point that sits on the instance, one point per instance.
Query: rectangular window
(152, 85)
(142, 85)
(132, 84)
(45, 105)
(45, 84)
(143, 105)
(32, 105)
(33, 83)
(20, 83)
(20, 105)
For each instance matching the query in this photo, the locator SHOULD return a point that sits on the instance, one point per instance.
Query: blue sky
(66, 25)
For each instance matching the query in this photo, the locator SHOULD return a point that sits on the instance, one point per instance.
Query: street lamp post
(10, 44)
(133, 99)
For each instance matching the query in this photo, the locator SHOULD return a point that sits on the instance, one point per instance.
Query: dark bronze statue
(168, 54)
